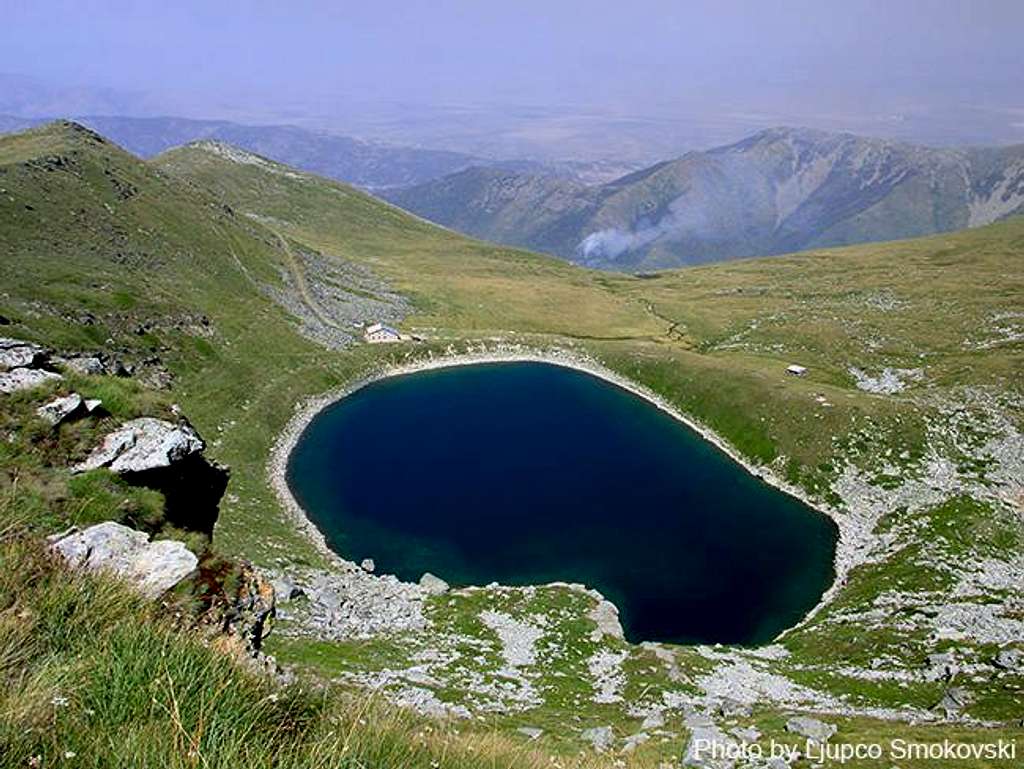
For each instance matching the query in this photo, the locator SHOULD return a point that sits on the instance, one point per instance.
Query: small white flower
(69, 754)
(58, 701)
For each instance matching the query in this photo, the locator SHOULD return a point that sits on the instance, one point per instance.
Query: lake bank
(850, 529)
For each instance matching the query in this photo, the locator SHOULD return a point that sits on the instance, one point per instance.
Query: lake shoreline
(850, 527)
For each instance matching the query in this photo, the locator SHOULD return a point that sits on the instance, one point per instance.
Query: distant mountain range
(371, 165)
(781, 190)
(366, 164)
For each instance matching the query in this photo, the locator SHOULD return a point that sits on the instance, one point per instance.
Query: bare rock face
(606, 616)
(152, 568)
(245, 617)
(84, 364)
(167, 457)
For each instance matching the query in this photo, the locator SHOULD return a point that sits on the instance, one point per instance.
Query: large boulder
(152, 568)
(15, 353)
(22, 366)
(19, 379)
(91, 365)
(167, 457)
(143, 444)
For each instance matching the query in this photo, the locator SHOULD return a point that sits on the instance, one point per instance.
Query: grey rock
(653, 720)
(285, 590)
(433, 585)
(747, 734)
(697, 720)
(811, 728)
(15, 353)
(705, 740)
(357, 604)
(19, 379)
(151, 567)
(531, 732)
(600, 737)
(59, 409)
(90, 365)
(730, 708)
(606, 616)
(143, 444)
(941, 666)
(954, 699)
(1009, 659)
(635, 740)
(92, 405)
(367, 565)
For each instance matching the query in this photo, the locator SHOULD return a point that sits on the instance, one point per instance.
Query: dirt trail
(299, 276)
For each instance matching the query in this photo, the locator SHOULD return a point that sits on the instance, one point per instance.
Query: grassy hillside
(230, 268)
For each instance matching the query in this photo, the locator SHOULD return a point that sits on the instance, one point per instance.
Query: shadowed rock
(167, 457)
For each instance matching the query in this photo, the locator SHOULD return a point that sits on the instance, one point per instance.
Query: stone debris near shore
(350, 603)
(811, 728)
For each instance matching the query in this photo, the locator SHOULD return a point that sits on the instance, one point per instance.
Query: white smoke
(612, 242)
(681, 219)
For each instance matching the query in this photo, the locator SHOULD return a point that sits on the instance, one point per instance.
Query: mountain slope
(907, 430)
(780, 190)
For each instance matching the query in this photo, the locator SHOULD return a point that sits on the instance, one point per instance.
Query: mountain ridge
(780, 190)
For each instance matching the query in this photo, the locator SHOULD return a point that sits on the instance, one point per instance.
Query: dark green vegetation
(781, 190)
(185, 258)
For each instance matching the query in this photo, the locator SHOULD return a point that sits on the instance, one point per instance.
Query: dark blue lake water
(525, 473)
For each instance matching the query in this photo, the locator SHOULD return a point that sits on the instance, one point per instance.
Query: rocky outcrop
(606, 617)
(15, 353)
(152, 568)
(240, 610)
(167, 457)
(23, 366)
(25, 379)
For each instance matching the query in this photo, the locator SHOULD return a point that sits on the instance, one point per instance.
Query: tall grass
(92, 676)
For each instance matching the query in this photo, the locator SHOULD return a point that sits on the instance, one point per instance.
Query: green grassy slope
(96, 245)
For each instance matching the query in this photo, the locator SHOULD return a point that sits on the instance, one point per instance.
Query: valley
(247, 280)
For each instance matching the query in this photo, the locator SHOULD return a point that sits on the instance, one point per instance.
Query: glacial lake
(526, 473)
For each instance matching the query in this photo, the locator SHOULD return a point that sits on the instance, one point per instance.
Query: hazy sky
(529, 77)
(642, 53)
